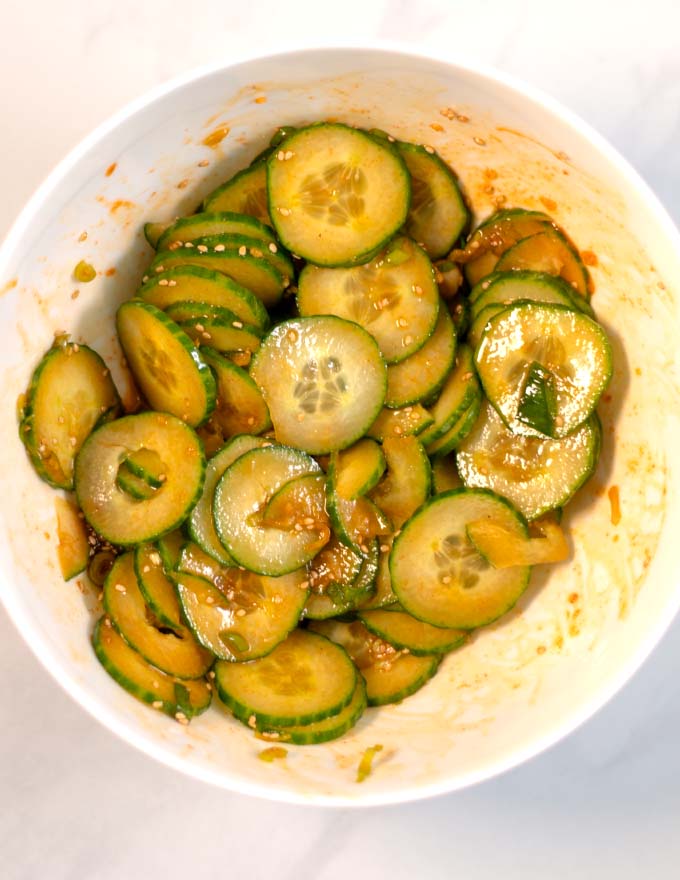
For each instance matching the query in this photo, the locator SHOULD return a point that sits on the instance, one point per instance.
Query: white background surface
(79, 804)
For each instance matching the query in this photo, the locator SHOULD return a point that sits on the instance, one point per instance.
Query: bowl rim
(98, 708)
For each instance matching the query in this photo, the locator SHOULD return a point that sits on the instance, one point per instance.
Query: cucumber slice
(175, 652)
(323, 380)
(157, 590)
(460, 390)
(394, 297)
(390, 675)
(478, 326)
(255, 273)
(569, 344)
(247, 616)
(329, 728)
(548, 251)
(132, 485)
(153, 231)
(245, 244)
(503, 550)
(458, 431)
(332, 575)
(70, 392)
(421, 376)
(403, 631)
(507, 287)
(537, 474)
(240, 407)
(438, 214)
(73, 548)
(113, 514)
(408, 481)
(445, 475)
(170, 547)
(201, 523)
(383, 597)
(300, 501)
(459, 307)
(179, 699)
(193, 560)
(181, 312)
(281, 134)
(449, 279)
(213, 223)
(241, 495)
(166, 365)
(409, 421)
(338, 196)
(494, 236)
(356, 522)
(244, 193)
(358, 469)
(437, 574)
(304, 679)
(198, 285)
(148, 466)
(223, 335)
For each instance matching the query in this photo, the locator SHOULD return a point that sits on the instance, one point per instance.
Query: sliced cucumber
(115, 515)
(445, 475)
(329, 728)
(460, 390)
(306, 678)
(478, 326)
(355, 522)
(170, 547)
(494, 236)
(458, 431)
(336, 195)
(133, 485)
(177, 698)
(507, 287)
(548, 251)
(240, 497)
(383, 596)
(402, 630)
(394, 297)
(201, 523)
(332, 575)
(300, 501)
(165, 363)
(438, 214)
(156, 588)
(358, 469)
(437, 574)
(568, 344)
(194, 560)
(408, 481)
(537, 474)
(181, 312)
(153, 231)
(244, 193)
(223, 335)
(148, 466)
(421, 376)
(240, 407)
(73, 548)
(214, 223)
(244, 244)
(243, 616)
(323, 380)
(198, 285)
(255, 273)
(70, 392)
(390, 675)
(175, 652)
(503, 550)
(408, 421)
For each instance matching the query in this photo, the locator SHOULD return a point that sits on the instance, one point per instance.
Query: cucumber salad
(359, 424)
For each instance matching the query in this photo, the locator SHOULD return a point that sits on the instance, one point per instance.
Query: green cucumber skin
(262, 231)
(416, 651)
(214, 196)
(482, 293)
(416, 685)
(212, 276)
(309, 735)
(138, 470)
(26, 426)
(279, 258)
(206, 376)
(369, 253)
(132, 688)
(460, 430)
(146, 593)
(130, 483)
(585, 296)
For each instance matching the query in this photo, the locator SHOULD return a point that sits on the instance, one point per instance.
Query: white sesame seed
(157, 704)
(280, 155)
(237, 324)
(188, 244)
(210, 600)
(428, 149)
(202, 249)
(181, 717)
(155, 558)
(288, 154)
(200, 328)
(219, 248)
(252, 721)
(408, 340)
(285, 212)
(163, 282)
(272, 247)
(172, 283)
(241, 612)
(242, 251)
(121, 588)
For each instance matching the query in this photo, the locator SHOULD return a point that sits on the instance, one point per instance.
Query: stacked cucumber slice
(354, 426)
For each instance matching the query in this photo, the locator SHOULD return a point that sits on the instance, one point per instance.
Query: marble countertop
(78, 804)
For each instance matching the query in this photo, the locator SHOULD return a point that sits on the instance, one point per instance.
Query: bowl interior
(581, 628)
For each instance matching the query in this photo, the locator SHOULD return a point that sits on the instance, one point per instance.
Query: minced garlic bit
(84, 272)
(366, 763)
(272, 753)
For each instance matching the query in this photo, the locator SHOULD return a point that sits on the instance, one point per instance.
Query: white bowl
(582, 628)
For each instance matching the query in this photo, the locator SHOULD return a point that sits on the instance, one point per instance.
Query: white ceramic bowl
(583, 628)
